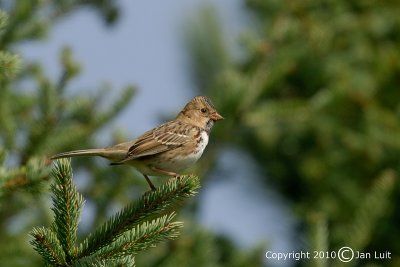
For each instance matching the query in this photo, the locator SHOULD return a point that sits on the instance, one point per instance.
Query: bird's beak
(216, 117)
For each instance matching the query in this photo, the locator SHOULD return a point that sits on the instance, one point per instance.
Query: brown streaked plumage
(167, 149)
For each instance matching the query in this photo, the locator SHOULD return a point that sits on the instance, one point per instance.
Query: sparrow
(167, 149)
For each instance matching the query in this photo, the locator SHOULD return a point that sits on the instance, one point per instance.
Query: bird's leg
(173, 174)
(152, 187)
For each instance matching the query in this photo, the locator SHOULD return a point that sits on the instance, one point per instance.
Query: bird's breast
(183, 157)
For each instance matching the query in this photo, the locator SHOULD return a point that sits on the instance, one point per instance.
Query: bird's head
(200, 112)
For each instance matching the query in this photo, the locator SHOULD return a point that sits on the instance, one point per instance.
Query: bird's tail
(78, 153)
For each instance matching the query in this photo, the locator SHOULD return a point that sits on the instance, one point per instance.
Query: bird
(167, 149)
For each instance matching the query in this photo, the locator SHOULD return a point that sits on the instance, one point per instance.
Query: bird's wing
(168, 136)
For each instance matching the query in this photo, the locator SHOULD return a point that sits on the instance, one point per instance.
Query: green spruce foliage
(139, 226)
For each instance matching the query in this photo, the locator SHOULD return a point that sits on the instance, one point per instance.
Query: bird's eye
(203, 110)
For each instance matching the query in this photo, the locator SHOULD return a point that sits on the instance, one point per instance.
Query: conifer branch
(370, 211)
(149, 204)
(122, 236)
(124, 261)
(124, 99)
(319, 237)
(67, 206)
(29, 177)
(45, 242)
(142, 237)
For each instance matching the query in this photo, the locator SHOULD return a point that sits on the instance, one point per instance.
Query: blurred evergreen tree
(38, 117)
(315, 100)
